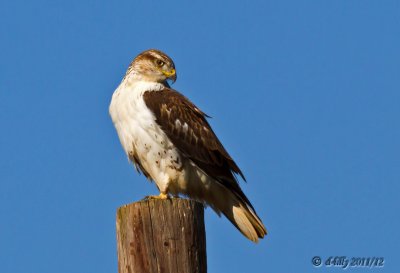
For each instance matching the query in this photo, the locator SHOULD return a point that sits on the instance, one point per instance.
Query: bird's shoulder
(168, 100)
(187, 127)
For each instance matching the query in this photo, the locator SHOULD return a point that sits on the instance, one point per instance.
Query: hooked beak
(170, 75)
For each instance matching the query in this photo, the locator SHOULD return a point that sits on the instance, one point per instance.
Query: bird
(170, 141)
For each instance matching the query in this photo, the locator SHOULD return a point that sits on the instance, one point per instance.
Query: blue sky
(303, 94)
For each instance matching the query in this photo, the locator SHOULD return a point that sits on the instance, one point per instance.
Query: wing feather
(187, 128)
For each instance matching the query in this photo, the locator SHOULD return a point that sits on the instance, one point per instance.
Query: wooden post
(161, 236)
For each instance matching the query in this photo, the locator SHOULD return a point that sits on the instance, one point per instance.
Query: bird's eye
(159, 63)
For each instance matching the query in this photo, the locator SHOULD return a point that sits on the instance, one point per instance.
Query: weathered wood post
(161, 236)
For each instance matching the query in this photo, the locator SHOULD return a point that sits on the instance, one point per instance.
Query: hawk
(170, 141)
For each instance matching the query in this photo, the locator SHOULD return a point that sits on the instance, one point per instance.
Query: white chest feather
(141, 136)
(130, 114)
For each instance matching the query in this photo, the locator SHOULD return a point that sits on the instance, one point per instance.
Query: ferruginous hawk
(170, 141)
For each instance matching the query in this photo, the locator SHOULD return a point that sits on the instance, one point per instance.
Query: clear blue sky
(303, 94)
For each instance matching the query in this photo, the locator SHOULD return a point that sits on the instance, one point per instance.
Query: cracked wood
(161, 236)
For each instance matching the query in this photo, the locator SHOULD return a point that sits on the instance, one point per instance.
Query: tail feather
(248, 223)
(233, 204)
(238, 212)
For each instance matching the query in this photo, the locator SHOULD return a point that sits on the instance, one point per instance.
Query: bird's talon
(162, 196)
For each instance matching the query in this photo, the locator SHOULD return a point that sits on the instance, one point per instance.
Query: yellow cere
(169, 73)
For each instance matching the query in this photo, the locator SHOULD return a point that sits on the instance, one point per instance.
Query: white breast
(140, 134)
(129, 113)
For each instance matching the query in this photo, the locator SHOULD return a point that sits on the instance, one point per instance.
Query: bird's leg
(163, 188)
(162, 196)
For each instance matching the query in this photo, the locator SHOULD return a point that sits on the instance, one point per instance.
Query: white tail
(241, 215)
(247, 221)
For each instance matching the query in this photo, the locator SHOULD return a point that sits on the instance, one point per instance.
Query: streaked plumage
(170, 141)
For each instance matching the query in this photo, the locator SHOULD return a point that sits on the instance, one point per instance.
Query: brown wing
(186, 126)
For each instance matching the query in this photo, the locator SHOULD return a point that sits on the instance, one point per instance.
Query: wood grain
(161, 236)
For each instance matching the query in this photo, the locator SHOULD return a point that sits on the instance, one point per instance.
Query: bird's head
(153, 65)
